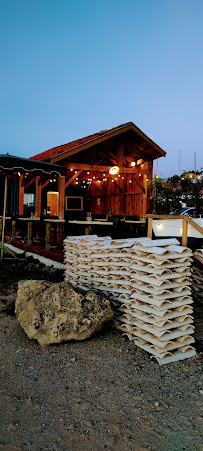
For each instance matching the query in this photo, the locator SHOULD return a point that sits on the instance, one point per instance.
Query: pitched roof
(56, 151)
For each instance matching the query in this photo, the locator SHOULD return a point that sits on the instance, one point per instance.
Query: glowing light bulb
(71, 170)
(87, 173)
(130, 181)
(114, 170)
(132, 163)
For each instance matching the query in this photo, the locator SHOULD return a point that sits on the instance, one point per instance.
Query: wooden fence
(186, 220)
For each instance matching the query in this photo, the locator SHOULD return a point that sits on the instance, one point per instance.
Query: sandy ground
(100, 394)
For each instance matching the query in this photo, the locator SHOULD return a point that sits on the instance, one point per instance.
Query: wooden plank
(73, 178)
(100, 168)
(184, 233)
(139, 183)
(144, 206)
(45, 183)
(61, 190)
(21, 194)
(13, 230)
(149, 229)
(30, 182)
(193, 224)
(120, 155)
(48, 237)
(38, 196)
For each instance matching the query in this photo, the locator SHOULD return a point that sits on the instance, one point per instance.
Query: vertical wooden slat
(21, 194)
(144, 207)
(38, 196)
(48, 235)
(61, 190)
(149, 230)
(184, 233)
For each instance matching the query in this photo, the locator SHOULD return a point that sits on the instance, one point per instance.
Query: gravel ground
(100, 394)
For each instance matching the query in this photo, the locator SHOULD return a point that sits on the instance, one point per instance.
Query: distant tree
(187, 186)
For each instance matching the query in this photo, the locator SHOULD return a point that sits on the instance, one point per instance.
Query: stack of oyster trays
(148, 283)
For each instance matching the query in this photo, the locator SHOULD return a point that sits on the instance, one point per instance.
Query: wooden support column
(38, 196)
(13, 233)
(21, 194)
(1, 227)
(61, 190)
(149, 230)
(48, 237)
(145, 193)
(184, 233)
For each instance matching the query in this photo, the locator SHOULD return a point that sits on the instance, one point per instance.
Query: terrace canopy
(10, 164)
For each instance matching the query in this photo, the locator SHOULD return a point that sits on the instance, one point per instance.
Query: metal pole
(4, 216)
(179, 163)
(195, 167)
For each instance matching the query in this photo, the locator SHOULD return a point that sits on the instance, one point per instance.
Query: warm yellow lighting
(76, 172)
(132, 164)
(130, 181)
(116, 178)
(77, 178)
(87, 173)
(159, 226)
(122, 178)
(112, 180)
(104, 175)
(114, 170)
(99, 181)
(139, 175)
(71, 170)
(118, 175)
(190, 176)
(147, 180)
(76, 183)
(94, 177)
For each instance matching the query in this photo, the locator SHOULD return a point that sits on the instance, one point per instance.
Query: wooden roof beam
(30, 182)
(73, 178)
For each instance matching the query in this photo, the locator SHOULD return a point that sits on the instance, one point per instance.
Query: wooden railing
(186, 220)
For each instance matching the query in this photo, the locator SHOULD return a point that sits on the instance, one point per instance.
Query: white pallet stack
(148, 285)
(159, 317)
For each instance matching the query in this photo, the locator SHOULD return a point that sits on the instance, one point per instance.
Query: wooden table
(48, 222)
(29, 228)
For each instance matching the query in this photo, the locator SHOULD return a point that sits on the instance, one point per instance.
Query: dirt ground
(100, 394)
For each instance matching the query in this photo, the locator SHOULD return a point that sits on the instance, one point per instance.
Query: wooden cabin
(109, 172)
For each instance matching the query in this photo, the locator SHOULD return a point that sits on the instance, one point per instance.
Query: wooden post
(149, 230)
(1, 226)
(21, 194)
(29, 233)
(13, 228)
(61, 190)
(48, 236)
(184, 233)
(38, 196)
(145, 194)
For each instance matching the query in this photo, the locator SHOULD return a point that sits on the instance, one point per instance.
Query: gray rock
(55, 312)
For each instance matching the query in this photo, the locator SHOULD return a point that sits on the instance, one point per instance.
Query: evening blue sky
(70, 68)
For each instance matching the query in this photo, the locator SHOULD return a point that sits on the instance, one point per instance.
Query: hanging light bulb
(114, 170)
(132, 164)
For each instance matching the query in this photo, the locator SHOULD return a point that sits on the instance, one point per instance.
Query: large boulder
(54, 312)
